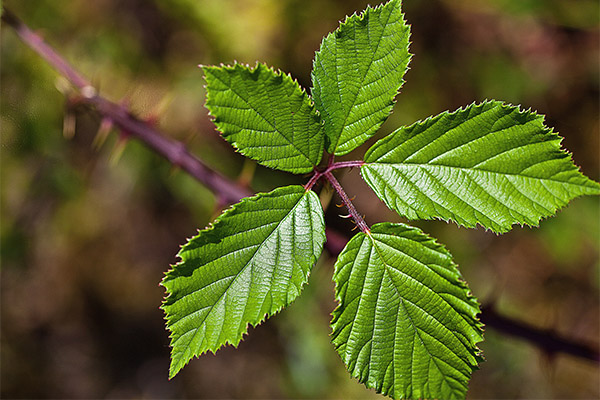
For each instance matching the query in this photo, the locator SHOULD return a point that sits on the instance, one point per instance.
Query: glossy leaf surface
(406, 323)
(251, 263)
(489, 164)
(358, 72)
(266, 116)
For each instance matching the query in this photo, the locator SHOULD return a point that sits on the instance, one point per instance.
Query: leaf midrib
(467, 169)
(435, 120)
(275, 129)
(196, 330)
(492, 218)
(416, 330)
(416, 281)
(363, 77)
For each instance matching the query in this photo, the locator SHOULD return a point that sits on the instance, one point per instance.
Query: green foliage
(489, 164)
(406, 323)
(250, 264)
(266, 116)
(358, 72)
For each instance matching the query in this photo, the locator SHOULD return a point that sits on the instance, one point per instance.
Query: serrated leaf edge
(298, 91)
(460, 282)
(360, 16)
(499, 229)
(169, 275)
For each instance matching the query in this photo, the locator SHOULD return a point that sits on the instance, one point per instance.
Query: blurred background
(89, 226)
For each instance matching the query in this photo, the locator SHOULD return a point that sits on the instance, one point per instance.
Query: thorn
(353, 197)
(152, 120)
(69, 124)
(339, 205)
(124, 135)
(103, 131)
(547, 361)
(355, 227)
(345, 216)
(117, 151)
(153, 117)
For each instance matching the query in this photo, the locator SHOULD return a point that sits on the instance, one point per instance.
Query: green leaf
(357, 73)
(406, 324)
(266, 116)
(253, 262)
(490, 164)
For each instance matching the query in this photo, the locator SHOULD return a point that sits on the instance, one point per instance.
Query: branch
(177, 154)
(546, 339)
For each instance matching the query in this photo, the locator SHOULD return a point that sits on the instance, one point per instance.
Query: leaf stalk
(360, 222)
(332, 166)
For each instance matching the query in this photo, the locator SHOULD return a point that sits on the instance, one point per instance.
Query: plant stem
(330, 167)
(313, 179)
(360, 222)
(229, 192)
(175, 152)
(330, 160)
(546, 339)
(38, 45)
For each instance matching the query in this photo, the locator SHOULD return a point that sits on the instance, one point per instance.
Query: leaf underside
(357, 73)
(406, 323)
(250, 264)
(490, 164)
(266, 116)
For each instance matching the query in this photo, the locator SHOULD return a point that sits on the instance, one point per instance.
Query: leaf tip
(175, 367)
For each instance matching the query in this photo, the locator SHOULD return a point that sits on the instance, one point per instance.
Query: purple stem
(330, 167)
(360, 222)
(175, 152)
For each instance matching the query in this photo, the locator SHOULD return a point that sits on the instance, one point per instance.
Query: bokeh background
(88, 226)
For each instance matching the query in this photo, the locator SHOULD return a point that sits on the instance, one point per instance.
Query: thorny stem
(175, 152)
(229, 192)
(360, 222)
(326, 173)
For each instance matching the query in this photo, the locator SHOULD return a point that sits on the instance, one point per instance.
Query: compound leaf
(406, 324)
(357, 73)
(266, 116)
(250, 264)
(490, 164)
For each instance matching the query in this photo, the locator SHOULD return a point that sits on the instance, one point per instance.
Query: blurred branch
(545, 339)
(175, 152)
(228, 192)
